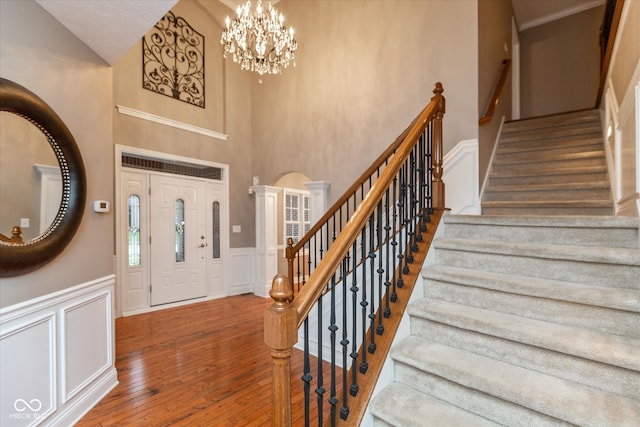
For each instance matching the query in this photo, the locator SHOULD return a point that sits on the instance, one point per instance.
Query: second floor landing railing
(337, 300)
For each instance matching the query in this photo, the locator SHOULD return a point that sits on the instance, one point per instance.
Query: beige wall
(628, 50)
(560, 63)
(494, 33)
(364, 70)
(227, 111)
(40, 54)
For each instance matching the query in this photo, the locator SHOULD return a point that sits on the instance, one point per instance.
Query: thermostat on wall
(101, 206)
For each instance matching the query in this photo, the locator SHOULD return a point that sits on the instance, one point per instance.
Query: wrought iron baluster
(430, 168)
(364, 365)
(344, 410)
(387, 283)
(306, 377)
(380, 271)
(333, 328)
(320, 388)
(394, 242)
(354, 324)
(372, 309)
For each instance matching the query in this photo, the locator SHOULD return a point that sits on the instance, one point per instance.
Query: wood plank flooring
(203, 364)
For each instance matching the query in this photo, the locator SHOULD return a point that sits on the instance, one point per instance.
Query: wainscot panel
(57, 355)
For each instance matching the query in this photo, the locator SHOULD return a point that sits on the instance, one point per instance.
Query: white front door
(179, 243)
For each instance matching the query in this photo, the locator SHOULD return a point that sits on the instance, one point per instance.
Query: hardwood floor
(203, 364)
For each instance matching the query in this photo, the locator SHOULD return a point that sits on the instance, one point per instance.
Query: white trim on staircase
(461, 178)
(493, 156)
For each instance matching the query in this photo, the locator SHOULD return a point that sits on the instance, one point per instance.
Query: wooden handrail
(285, 316)
(495, 99)
(608, 31)
(308, 296)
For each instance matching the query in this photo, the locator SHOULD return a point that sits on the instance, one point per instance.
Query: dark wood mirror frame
(21, 258)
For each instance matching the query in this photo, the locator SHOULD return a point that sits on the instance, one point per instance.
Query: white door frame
(119, 258)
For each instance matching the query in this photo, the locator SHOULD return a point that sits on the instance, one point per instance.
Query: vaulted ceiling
(110, 28)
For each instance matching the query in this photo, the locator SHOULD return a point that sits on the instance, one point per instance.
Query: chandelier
(258, 40)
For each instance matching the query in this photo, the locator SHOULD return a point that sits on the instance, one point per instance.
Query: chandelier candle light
(259, 41)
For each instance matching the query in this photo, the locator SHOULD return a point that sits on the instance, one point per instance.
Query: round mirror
(42, 182)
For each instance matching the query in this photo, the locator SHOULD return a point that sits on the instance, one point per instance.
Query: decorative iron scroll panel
(173, 60)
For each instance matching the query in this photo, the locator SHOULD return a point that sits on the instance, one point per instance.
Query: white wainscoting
(461, 178)
(57, 355)
(241, 270)
(622, 145)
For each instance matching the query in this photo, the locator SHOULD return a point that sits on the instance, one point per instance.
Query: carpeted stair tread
(546, 204)
(561, 186)
(578, 221)
(611, 231)
(559, 398)
(566, 143)
(615, 350)
(598, 296)
(546, 157)
(400, 405)
(563, 170)
(617, 256)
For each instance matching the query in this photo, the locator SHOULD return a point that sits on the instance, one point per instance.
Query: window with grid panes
(297, 215)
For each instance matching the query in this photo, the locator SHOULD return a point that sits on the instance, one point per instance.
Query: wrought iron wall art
(173, 60)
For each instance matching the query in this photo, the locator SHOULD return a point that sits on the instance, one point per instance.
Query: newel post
(438, 185)
(280, 334)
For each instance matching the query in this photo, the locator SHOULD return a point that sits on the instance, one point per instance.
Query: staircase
(552, 165)
(527, 320)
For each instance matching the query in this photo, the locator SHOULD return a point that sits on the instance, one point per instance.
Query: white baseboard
(57, 355)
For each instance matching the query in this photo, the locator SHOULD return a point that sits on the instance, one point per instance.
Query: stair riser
(592, 373)
(546, 166)
(617, 237)
(547, 195)
(554, 122)
(557, 119)
(588, 143)
(537, 134)
(475, 401)
(567, 270)
(519, 211)
(545, 155)
(601, 319)
(539, 179)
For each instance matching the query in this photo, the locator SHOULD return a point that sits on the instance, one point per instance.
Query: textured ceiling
(110, 28)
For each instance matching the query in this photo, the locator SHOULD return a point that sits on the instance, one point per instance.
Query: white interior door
(178, 239)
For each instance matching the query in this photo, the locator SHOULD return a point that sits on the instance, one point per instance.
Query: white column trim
(266, 257)
(319, 193)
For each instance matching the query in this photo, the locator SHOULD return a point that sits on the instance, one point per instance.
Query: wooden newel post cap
(280, 319)
(281, 292)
